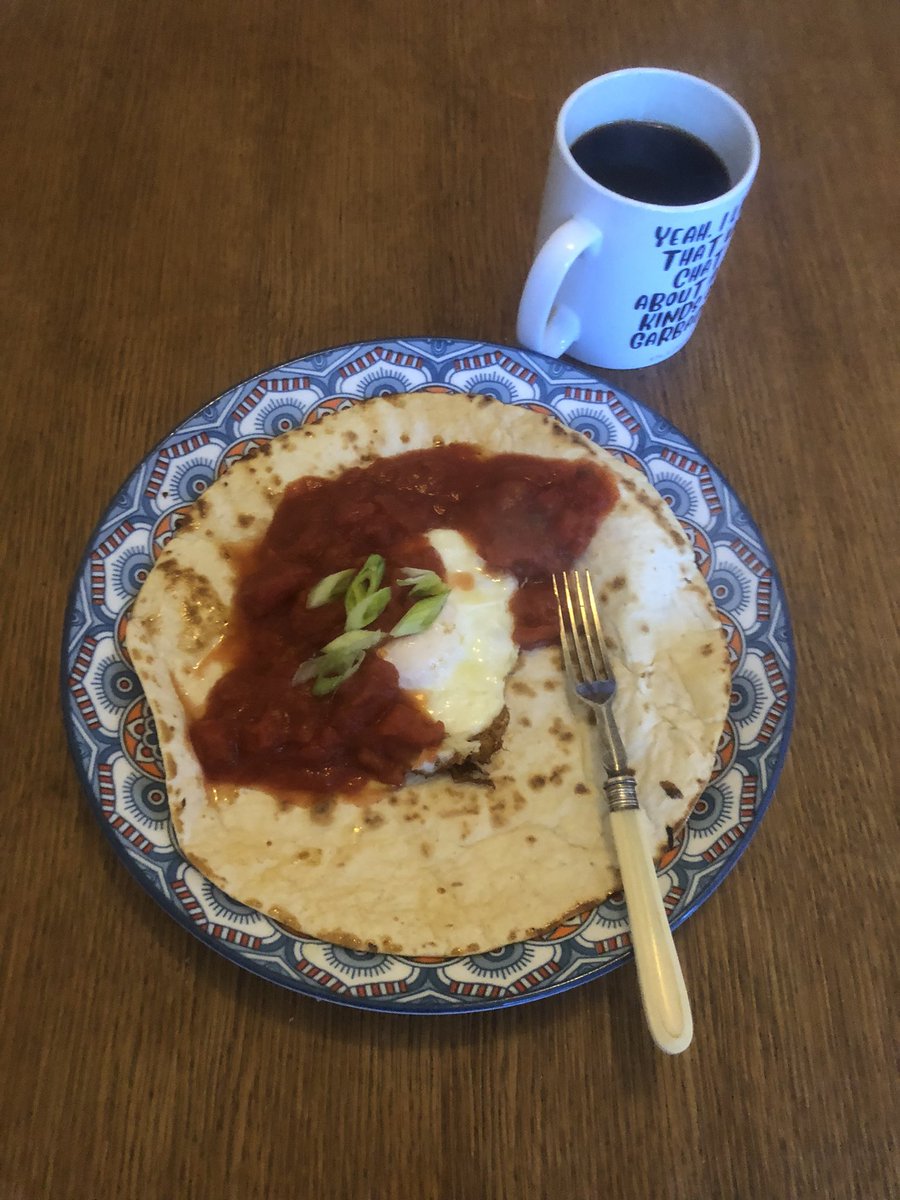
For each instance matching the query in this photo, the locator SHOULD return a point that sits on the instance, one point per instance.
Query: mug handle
(542, 326)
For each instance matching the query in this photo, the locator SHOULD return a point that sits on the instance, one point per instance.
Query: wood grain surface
(193, 191)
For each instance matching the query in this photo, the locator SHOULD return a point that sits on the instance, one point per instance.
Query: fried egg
(457, 668)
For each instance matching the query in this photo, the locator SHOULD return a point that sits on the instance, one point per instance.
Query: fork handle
(663, 993)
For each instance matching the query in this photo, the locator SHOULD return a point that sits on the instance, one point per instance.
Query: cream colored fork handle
(664, 995)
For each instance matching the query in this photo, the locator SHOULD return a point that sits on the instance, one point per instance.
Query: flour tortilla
(443, 867)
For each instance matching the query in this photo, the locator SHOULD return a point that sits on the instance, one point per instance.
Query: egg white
(457, 668)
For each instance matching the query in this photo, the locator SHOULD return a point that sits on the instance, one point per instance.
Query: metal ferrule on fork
(621, 792)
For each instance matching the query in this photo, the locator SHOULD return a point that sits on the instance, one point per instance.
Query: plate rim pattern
(431, 991)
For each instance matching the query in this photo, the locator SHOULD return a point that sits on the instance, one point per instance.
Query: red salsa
(525, 515)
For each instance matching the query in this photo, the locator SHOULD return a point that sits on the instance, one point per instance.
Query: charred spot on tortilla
(322, 810)
(560, 731)
(497, 815)
(468, 807)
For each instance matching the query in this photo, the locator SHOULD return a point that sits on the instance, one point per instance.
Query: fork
(590, 676)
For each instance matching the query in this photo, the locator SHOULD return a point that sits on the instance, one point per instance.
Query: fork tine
(578, 640)
(565, 634)
(593, 630)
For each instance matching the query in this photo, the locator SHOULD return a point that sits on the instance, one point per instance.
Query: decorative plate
(113, 740)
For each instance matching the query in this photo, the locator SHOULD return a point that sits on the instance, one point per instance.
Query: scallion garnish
(368, 609)
(334, 670)
(306, 670)
(422, 583)
(329, 588)
(366, 581)
(338, 660)
(420, 616)
(354, 640)
(365, 601)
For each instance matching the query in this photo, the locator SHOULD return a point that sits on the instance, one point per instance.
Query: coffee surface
(650, 162)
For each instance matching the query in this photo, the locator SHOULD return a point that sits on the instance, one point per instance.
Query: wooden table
(193, 191)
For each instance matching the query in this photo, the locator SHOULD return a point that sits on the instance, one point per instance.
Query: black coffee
(658, 164)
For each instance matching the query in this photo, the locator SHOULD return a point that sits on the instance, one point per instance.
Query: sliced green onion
(329, 588)
(366, 581)
(354, 641)
(423, 583)
(368, 609)
(340, 658)
(306, 670)
(320, 664)
(365, 601)
(341, 668)
(420, 616)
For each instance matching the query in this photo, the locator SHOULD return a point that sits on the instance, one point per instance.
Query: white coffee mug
(619, 282)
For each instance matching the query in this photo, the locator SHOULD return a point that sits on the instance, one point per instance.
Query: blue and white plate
(114, 744)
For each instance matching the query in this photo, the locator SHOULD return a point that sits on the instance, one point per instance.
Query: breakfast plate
(114, 743)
